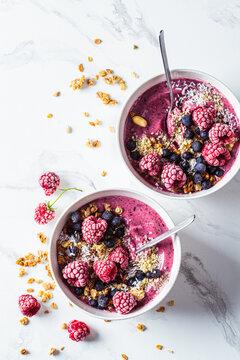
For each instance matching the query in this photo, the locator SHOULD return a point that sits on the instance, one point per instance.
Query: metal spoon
(167, 71)
(168, 233)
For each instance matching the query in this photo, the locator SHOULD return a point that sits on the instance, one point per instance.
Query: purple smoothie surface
(141, 224)
(153, 104)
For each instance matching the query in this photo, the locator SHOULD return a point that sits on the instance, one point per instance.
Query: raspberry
(78, 330)
(173, 176)
(120, 256)
(124, 302)
(203, 117)
(216, 155)
(93, 229)
(76, 273)
(221, 134)
(43, 213)
(151, 164)
(28, 305)
(49, 182)
(106, 270)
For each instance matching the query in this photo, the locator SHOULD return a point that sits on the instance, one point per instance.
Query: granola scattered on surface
(24, 321)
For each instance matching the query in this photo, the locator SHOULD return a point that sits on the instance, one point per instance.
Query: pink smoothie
(153, 105)
(141, 224)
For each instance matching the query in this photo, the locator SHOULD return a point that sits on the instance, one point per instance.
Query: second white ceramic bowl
(58, 276)
(177, 74)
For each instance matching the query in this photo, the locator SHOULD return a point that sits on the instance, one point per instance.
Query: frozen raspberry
(76, 273)
(221, 134)
(28, 305)
(173, 176)
(43, 213)
(203, 117)
(124, 302)
(49, 182)
(78, 330)
(93, 229)
(106, 270)
(120, 256)
(151, 164)
(216, 155)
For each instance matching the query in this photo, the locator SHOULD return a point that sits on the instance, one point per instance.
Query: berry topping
(76, 273)
(78, 330)
(187, 155)
(120, 256)
(187, 120)
(99, 285)
(116, 221)
(139, 275)
(131, 145)
(151, 164)
(131, 281)
(93, 229)
(173, 176)
(219, 173)
(135, 155)
(215, 154)
(185, 165)
(106, 270)
(43, 214)
(49, 182)
(28, 305)
(203, 117)
(197, 146)
(166, 153)
(107, 215)
(221, 134)
(197, 178)
(188, 134)
(119, 232)
(75, 217)
(206, 184)
(175, 158)
(110, 242)
(148, 275)
(156, 273)
(203, 134)
(93, 303)
(124, 302)
(78, 291)
(77, 226)
(200, 167)
(103, 301)
(72, 251)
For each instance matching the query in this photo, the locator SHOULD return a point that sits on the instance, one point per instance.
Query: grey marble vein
(227, 15)
(211, 295)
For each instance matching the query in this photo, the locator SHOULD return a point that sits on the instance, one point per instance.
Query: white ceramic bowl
(191, 74)
(58, 276)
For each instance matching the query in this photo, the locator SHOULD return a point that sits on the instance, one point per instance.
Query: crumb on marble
(104, 173)
(23, 352)
(80, 67)
(31, 280)
(90, 59)
(134, 74)
(107, 320)
(22, 272)
(159, 347)
(46, 312)
(86, 114)
(52, 351)
(38, 281)
(141, 327)
(160, 309)
(135, 47)
(124, 357)
(97, 41)
(91, 82)
(24, 321)
(49, 115)
(70, 304)
(106, 98)
(111, 129)
(171, 303)
(62, 348)
(78, 83)
(42, 238)
(30, 290)
(63, 326)
(69, 129)
(56, 93)
(170, 351)
(53, 305)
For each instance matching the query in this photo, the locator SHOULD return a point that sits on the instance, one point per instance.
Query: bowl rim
(122, 119)
(100, 314)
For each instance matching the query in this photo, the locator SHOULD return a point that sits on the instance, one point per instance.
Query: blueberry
(185, 165)
(197, 131)
(189, 134)
(206, 184)
(197, 146)
(107, 215)
(119, 232)
(77, 226)
(113, 292)
(200, 167)
(131, 281)
(197, 178)
(203, 134)
(211, 169)
(93, 303)
(148, 275)
(139, 275)
(110, 242)
(110, 231)
(72, 251)
(219, 172)
(187, 155)
(131, 145)
(78, 291)
(187, 120)
(135, 155)
(75, 216)
(99, 286)
(103, 301)
(175, 158)
(156, 273)
(166, 153)
(116, 221)
(70, 231)
(200, 159)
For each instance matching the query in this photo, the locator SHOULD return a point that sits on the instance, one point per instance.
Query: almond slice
(138, 120)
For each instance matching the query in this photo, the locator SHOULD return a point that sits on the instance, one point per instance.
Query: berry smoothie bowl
(93, 254)
(192, 152)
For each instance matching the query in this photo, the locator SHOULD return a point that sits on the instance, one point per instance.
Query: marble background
(42, 43)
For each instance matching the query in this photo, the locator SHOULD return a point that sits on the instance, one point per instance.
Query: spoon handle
(168, 233)
(166, 66)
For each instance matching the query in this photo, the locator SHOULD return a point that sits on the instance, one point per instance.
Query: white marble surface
(41, 44)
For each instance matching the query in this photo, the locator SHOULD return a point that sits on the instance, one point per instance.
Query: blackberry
(131, 145)
(77, 226)
(78, 291)
(99, 285)
(119, 232)
(135, 155)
